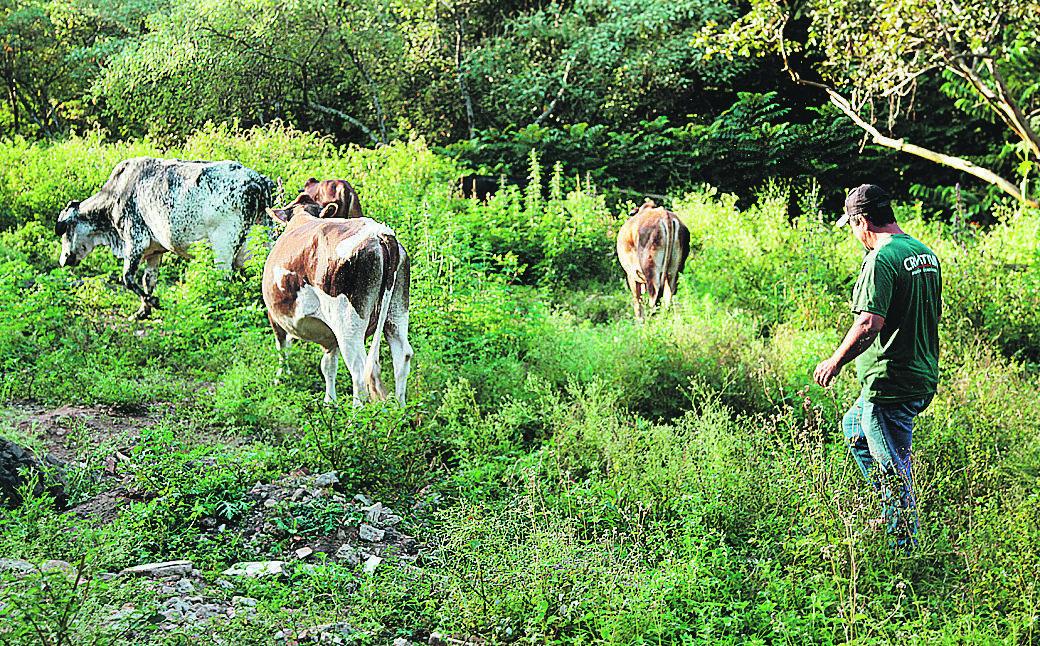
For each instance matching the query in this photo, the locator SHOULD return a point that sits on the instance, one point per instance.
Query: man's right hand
(826, 371)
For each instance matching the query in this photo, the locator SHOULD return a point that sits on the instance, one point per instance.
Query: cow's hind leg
(227, 242)
(667, 290)
(637, 302)
(151, 273)
(400, 350)
(349, 327)
(282, 341)
(329, 365)
(242, 253)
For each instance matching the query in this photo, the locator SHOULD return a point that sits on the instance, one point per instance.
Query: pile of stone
(19, 467)
(368, 544)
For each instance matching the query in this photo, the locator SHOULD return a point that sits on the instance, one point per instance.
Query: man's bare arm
(856, 341)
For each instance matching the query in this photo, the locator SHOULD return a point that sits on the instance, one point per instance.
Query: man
(895, 342)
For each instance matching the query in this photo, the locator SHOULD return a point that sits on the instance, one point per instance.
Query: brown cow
(333, 191)
(652, 246)
(336, 282)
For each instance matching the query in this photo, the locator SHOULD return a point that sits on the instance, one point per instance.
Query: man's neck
(878, 234)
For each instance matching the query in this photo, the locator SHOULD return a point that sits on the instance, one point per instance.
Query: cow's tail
(661, 271)
(260, 198)
(391, 253)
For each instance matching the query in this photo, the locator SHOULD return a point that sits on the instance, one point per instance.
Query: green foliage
(755, 140)
(986, 50)
(573, 476)
(379, 447)
(595, 61)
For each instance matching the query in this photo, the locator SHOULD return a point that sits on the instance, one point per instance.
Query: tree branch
(346, 117)
(466, 98)
(552, 104)
(957, 163)
(372, 93)
(247, 46)
(967, 72)
(1015, 113)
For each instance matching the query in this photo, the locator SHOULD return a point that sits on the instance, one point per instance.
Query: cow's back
(336, 256)
(181, 202)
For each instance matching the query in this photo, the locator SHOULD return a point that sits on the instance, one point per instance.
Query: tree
(52, 50)
(869, 58)
(317, 65)
(600, 61)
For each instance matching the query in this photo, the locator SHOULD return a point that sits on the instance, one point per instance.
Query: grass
(576, 478)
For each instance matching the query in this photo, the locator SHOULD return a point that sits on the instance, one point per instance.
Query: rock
(337, 633)
(160, 570)
(16, 565)
(243, 601)
(184, 586)
(304, 552)
(255, 568)
(270, 502)
(306, 568)
(374, 512)
(363, 499)
(209, 610)
(401, 641)
(348, 555)
(18, 466)
(391, 520)
(299, 494)
(370, 534)
(372, 563)
(176, 608)
(326, 480)
(224, 583)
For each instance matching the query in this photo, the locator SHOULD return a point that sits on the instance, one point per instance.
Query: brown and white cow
(652, 246)
(330, 191)
(336, 282)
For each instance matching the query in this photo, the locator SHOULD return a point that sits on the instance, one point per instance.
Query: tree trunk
(951, 161)
(467, 100)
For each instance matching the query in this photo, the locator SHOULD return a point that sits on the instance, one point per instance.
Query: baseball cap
(865, 199)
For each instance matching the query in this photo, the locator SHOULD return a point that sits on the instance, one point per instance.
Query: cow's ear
(310, 182)
(73, 204)
(329, 211)
(61, 227)
(277, 214)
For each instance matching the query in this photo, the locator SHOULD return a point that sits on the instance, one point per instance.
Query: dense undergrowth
(598, 481)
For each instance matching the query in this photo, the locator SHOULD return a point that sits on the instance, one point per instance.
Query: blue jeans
(879, 437)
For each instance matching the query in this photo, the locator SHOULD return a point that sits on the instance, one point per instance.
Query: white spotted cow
(336, 282)
(151, 206)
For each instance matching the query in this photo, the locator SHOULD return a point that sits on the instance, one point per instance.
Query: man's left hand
(826, 371)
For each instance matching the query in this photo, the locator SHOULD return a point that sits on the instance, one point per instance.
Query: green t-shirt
(900, 280)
